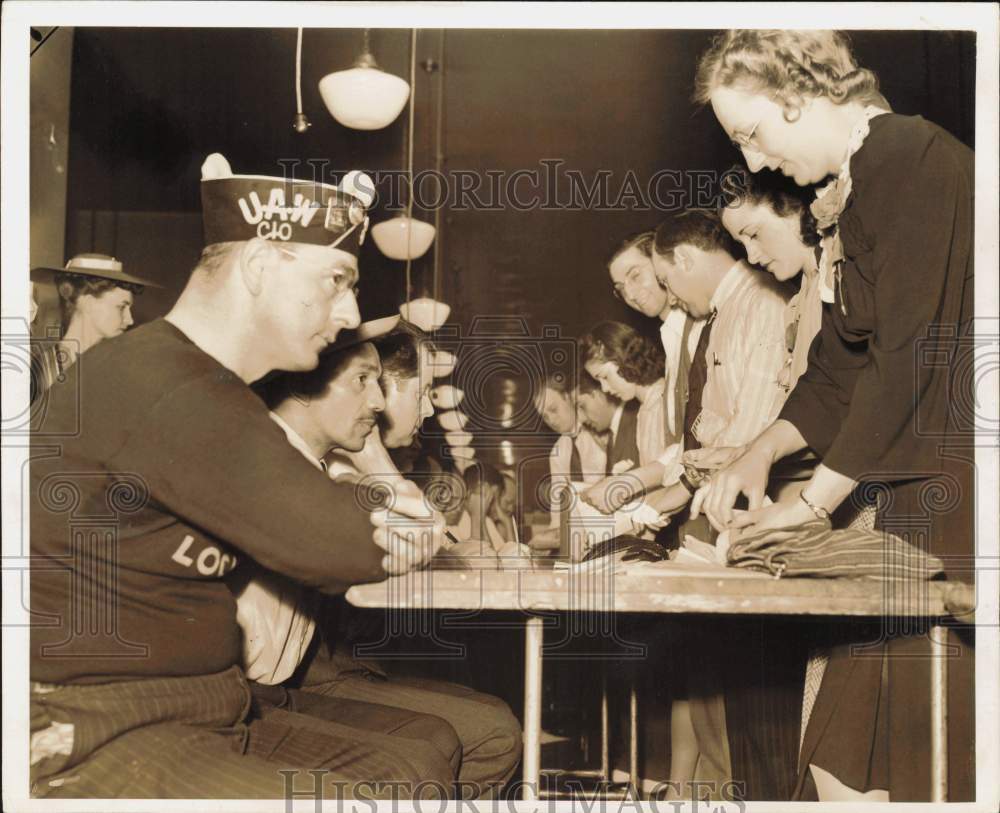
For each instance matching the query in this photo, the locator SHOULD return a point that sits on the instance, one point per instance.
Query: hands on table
(611, 493)
(789, 513)
(747, 475)
(409, 532)
(666, 502)
(545, 540)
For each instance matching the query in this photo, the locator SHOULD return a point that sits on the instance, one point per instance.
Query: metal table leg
(939, 713)
(531, 760)
(605, 728)
(633, 738)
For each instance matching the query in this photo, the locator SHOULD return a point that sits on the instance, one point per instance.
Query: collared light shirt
(276, 614)
(671, 336)
(746, 354)
(650, 427)
(593, 459)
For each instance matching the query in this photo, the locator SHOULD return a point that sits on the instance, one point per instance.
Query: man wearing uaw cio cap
(169, 476)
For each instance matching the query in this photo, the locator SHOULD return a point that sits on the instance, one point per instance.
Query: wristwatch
(690, 487)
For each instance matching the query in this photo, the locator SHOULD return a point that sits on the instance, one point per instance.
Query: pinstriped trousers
(489, 733)
(195, 737)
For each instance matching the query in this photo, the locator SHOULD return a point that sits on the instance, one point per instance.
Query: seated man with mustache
(332, 415)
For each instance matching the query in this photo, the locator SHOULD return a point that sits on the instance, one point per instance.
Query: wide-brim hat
(99, 265)
(237, 208)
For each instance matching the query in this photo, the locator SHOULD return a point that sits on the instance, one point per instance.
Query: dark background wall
(147, 105)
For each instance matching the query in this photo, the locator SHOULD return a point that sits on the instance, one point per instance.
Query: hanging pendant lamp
(364, 97)
(403, 237)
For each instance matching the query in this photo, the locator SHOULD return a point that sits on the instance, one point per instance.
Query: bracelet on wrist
(818, 510)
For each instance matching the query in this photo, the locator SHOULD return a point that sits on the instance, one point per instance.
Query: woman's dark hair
(642, 240)
(72, 286)
(639, 360)
(781, 195)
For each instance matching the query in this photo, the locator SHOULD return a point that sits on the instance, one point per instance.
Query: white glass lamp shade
(453, 421)
(425, 313)
(458, 438)
(364, 98)
(403, 238)
(446, 396)
(442, 363)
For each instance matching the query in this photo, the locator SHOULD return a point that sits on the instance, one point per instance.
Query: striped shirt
(746, 353)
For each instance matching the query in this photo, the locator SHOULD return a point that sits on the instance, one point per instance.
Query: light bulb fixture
(425, 313)
(403, 237)
(442, 363)
(445, 396)
(453, 420)
(301, 122)
(458, 438)
(364, 97)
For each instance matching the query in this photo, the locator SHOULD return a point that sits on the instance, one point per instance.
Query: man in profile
(358, 387)
(604, 414)
(170, 475)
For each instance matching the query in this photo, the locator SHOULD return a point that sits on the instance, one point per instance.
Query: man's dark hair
(695, 227)
(312, 383)
(399, 350)
(480, 473)
(399, 354)
(643, 241)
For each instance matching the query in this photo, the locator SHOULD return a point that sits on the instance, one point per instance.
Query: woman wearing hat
(95, 297)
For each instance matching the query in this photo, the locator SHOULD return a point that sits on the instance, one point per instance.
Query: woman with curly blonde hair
(875, 401)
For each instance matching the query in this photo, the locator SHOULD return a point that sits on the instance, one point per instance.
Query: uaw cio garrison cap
(283, 209)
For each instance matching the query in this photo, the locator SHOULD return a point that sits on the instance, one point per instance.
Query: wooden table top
(663, 587)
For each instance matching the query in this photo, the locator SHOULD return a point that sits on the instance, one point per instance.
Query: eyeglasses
(344, 279)
(748, 140)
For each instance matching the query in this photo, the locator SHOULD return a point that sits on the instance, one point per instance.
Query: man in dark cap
(168, 475)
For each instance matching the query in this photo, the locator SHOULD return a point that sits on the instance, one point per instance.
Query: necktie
(697, 376)
(680, 392)
(575, 464)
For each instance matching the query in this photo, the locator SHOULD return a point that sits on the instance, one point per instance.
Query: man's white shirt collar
(616, 419)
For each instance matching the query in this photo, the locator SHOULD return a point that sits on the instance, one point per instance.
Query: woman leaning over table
(875, 400)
